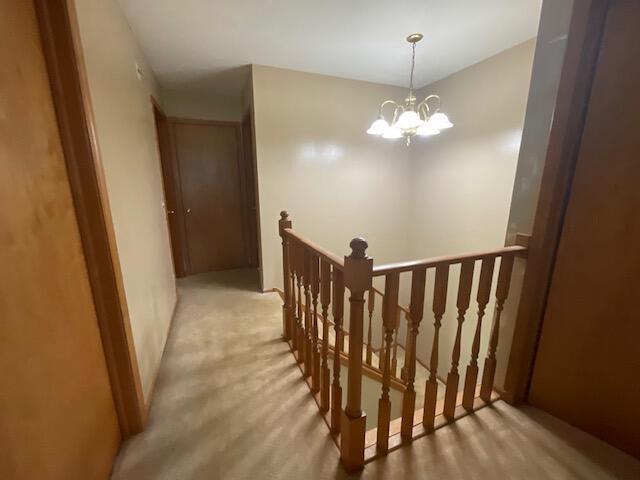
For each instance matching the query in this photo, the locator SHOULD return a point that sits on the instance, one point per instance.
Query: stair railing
(311, 274)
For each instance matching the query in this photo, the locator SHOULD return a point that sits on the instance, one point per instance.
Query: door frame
(60, 39)
(241, 164)
(572, 102)
(171, 180)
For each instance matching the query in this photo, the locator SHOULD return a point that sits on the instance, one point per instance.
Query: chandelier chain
(413, 63)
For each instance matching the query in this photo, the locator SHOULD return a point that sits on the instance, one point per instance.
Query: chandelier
(424, 119)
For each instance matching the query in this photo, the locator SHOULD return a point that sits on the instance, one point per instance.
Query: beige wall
(128, 148)
(462, 181)
(184, 104)
(315, 160)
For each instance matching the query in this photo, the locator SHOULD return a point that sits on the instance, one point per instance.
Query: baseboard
(152, 389)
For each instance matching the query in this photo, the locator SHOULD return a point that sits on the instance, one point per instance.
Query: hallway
(230, 403)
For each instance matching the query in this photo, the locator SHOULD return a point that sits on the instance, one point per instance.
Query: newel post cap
(284, 222)
(358, 248)
(358, 267)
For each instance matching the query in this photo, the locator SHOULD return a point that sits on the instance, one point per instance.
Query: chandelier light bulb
(440, 121)
(378, 127)
(426, 130)
(408, 120)
(392, 132)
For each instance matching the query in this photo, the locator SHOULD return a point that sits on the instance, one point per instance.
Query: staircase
(319, 335)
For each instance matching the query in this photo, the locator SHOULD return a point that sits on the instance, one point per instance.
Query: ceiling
(206, 45)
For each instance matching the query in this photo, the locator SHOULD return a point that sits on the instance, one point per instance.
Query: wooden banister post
(358, 270)
(439, 305)
(287, 305)
(308, 321)
(484, 291)
(325, 299)
(315, 352)
(298, 256)
(390, 321)
(338, 314)
(418, 284)
(502, 291)
(370, 307)
(453, 378)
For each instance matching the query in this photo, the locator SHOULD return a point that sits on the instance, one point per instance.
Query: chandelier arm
(395, 110)
(385, 103)
(425, 103)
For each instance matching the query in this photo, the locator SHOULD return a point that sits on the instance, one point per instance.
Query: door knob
(188, 210)
(171, 212)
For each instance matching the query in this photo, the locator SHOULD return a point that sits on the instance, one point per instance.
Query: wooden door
(208, 155)
(57, 414)
(172, 196)
(587, 368)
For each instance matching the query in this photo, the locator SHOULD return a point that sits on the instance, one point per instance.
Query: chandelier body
(410, 119)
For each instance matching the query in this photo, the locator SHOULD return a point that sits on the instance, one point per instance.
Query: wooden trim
(334, 260)
(195, 121)
(180, 215)
(447, 260)
(581, 56)
(65, 64)
(157, 106)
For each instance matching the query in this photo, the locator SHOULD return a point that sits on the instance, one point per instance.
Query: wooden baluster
(416, 309)
(315, 352)
(453, 378)
(370, 306)
(484, 291)
(502, 290)
(403, 370)
(394, 360)
(308, 344)
(381, 355)
(299, 268)
(325, 300)
(439, 306)
(338, 314)
(358, 269)
(390, 321)
(284, 223)
(292, 287)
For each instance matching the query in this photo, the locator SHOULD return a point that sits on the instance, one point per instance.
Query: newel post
(358, 270)
(287, 306)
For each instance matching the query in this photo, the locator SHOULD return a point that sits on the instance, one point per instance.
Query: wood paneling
(58, 414)
(208, 155)
(65, 65)
(587, 364)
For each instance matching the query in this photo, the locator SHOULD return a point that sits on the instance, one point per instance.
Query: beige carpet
(230, 403)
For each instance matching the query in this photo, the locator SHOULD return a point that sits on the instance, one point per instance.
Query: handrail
(315, 280)
(445, 260)
(327, 255)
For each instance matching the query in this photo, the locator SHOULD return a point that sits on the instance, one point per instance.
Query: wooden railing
(315, 282)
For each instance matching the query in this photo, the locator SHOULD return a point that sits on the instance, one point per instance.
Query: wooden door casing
(251, 207)
(209, 154)
(172, 194)
(587, 364)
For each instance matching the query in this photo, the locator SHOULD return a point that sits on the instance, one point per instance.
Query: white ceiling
(205, 45)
